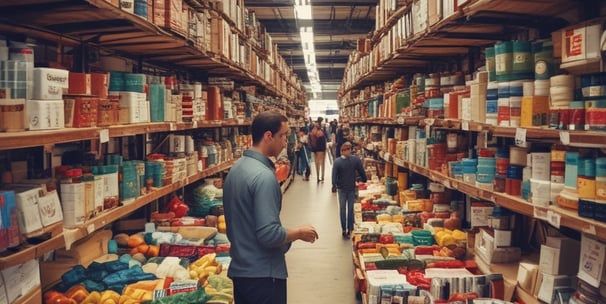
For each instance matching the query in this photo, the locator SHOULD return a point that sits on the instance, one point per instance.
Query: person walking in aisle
(303, 154)
(252, 202)
(317, 142)
(344, 179)
(343, 135)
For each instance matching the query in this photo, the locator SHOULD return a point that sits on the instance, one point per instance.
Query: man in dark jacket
(344, 179)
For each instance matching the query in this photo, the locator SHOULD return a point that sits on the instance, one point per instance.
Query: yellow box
(535, 110)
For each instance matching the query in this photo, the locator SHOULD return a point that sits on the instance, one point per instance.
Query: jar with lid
(72, 198)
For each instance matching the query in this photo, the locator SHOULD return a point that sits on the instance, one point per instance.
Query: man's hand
(307, 233)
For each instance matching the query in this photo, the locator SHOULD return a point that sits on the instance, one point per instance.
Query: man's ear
(267, 135)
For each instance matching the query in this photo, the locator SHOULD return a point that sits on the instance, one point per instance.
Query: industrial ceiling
(337, 25)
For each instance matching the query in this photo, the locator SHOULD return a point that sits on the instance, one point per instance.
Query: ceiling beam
(319, 52)
(320, 66)
(290, 38)
(281, 3)
(320, 26)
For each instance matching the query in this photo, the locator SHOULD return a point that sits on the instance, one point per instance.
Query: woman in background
(303, 154)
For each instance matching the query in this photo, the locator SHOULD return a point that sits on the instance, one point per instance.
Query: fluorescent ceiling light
(303, 12)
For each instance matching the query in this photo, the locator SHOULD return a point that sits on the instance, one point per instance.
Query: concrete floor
(322, 272)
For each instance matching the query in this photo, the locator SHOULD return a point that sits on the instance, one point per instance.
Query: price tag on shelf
(565, 137)
(465, 125)
(400, 120)
(520, 139)
(195, 124)
(104, 136)
(554, 218)
(540, 213)
(590, 229)
(173, 126)
(90, 228)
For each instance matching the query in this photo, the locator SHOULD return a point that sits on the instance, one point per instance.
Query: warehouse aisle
(319, 273)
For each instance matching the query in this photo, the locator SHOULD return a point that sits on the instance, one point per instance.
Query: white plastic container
(45, 114)
(130, 109)
(49, 83)
(72, 201)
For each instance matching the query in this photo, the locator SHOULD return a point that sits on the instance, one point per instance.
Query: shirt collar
(260, 157)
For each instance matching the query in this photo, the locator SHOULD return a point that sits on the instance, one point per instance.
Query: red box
(81, 112)
(79, 84)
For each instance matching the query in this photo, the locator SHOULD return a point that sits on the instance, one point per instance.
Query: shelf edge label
(554, 218)
(520, 138)
(104, 136)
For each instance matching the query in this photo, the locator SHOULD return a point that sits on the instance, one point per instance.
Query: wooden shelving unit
(555, 215)
(24, 139)
(573, 138)
(478, 23)
(75, 22)
(59, 240)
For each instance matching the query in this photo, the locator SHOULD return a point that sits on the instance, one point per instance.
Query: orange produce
(143, 248)
(154, 250)
(135, 240)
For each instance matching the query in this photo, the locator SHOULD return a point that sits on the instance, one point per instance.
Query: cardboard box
(435, 11)
(534, 111)
(486, 249)
(45, 114)
(591, 261)
(480, 215)
(549, 282)
(527, 276)
(581, 42)
(33, 297)
(82, 253)
(23, 279)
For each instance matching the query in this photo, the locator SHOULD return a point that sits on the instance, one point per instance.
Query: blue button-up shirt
(252, 200)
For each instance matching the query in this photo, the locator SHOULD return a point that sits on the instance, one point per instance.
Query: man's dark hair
(266, 121)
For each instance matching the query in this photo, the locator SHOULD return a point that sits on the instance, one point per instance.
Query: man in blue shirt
(252, 201)
(344, 179)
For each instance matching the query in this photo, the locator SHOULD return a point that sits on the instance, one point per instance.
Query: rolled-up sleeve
(268, 196)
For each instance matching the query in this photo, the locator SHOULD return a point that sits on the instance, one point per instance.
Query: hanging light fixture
(303, 12)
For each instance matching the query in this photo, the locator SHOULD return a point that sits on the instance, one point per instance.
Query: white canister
(177, 143)
(130, 106)
(99, 193)
(541, 166)
(541, 87)
(528, 88)
(189, 145)
(144, 111)
(73, 204)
